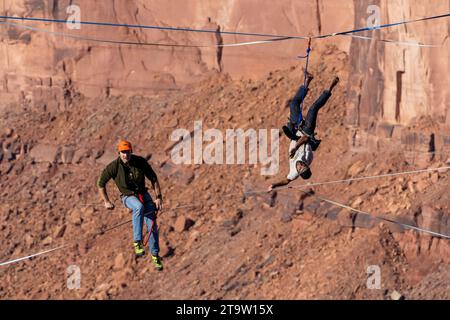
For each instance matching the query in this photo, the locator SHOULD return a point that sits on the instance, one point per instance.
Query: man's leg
(295, 110)
(311, 118)
(152, 226)
(133, 203)
(310, 122)
(294, 106)
(149, 217)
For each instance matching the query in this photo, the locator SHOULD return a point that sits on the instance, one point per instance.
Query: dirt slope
(242, 245)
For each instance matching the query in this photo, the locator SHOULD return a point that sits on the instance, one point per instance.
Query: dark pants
(310, 122)
(309, 125)
(295, 104)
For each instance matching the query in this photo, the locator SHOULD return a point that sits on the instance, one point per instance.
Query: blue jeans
(294, 106)
(309, 126)
(140, 213)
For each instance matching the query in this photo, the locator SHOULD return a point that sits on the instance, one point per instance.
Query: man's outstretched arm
(157, 189)
(105, 198)
(101, 185)
(283, 182)
(151, 175)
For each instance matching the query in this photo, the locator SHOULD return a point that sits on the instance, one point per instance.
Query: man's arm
(158, 201)
(101, 184)
(151, 175)
(299, 142)
(283, 182)
(156, 188)
(104, 196)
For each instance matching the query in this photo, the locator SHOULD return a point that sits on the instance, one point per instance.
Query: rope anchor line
(281, 188)
(405, 225)
(272, 36)
(110, 24)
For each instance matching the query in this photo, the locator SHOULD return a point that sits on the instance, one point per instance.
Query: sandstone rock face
(43, 67)
(394, 85)
(389, 84)
(394, 81)
(238, 247)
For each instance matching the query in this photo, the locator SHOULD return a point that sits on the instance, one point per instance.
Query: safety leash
(147, 236)
(308, 51)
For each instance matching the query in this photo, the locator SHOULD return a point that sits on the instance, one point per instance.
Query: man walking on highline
(128, 172)
(303, 141)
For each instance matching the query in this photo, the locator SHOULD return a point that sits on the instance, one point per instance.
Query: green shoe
(157, 262)
(138, 248)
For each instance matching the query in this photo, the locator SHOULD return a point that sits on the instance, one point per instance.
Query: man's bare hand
(109, 205)
(158, 204)
(270, 188)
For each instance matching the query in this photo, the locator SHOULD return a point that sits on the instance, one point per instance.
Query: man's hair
(306, 174)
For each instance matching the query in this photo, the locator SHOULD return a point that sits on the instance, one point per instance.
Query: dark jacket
(130, 178)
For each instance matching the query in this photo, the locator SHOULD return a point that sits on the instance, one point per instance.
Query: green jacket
(130, 178)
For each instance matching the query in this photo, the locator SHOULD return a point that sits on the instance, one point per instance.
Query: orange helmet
(124, 146)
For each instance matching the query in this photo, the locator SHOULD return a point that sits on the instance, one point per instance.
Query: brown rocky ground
(241, 245)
